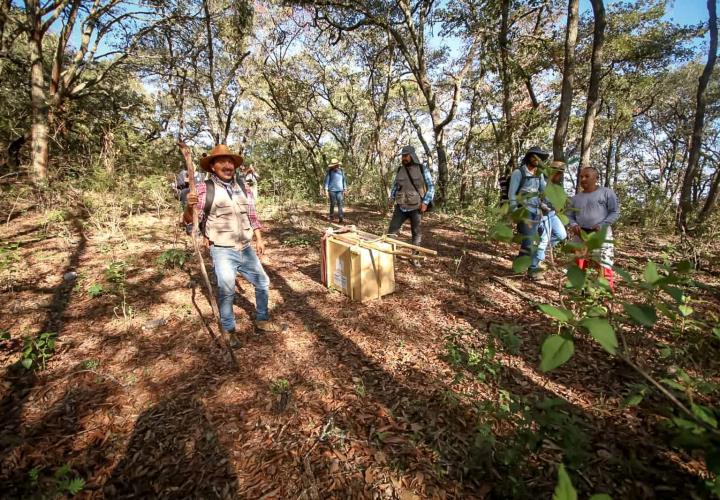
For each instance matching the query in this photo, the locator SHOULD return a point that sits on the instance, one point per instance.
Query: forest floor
(433, 391)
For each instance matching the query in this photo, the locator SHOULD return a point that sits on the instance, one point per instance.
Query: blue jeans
(336, 198)
(228, 262)
(552, 231)
(529, 230)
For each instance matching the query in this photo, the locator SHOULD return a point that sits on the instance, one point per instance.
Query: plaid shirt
(252, 212)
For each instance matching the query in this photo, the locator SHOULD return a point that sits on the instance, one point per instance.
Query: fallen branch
(514, 289)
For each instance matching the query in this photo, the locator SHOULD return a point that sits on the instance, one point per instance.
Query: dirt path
(433, 391)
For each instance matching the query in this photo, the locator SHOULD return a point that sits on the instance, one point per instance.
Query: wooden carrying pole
(387, 239)
(198, 253)
(370, 245)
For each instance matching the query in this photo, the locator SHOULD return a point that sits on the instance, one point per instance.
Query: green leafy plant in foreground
(59, 485)
(173, 258)
(38, 350)
(280, 386)
(588, 307)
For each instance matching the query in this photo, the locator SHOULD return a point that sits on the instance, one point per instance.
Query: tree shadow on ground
(22, 380)
(171, 443)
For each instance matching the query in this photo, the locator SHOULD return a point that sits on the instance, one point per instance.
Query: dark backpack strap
(413, 182)
(209, 198)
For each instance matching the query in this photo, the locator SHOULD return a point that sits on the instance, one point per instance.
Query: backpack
(504, 183)
(209, 198)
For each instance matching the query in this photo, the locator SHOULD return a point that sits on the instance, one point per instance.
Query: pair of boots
(607, 272)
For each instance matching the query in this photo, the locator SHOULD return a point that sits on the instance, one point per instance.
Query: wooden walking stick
(195, 233)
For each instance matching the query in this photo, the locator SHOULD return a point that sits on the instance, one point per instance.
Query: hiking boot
(234, 340)
(536, 275)
(269, 327)
(341, 220)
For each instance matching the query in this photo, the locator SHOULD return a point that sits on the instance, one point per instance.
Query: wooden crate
(359, 272)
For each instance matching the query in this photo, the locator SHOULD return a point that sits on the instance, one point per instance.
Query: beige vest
(228, 224)
(407, 196)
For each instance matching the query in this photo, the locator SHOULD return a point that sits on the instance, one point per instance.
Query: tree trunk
(39, 107)
(593, 97)
(566, 92)
(616, 169)
(712, 197)
(442, 169)
(506, 81)
(692, 171)
(608, 162)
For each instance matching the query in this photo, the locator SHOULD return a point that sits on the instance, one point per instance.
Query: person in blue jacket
(526, 185)
(336, 188)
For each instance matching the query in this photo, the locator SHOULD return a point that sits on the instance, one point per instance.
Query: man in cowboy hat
(336, 187)
(412, 191)
(552, 230)
(230, 224)
(526, 184)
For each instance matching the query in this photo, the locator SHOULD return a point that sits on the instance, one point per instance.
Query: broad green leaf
(671, 383)
(641, 314)
(564, 219)
(716, 332)
(684, 266)
(521, 264)
(597, 312)
(686, 424)
(27, 363)
(685, 310)
(651, 273)
(601, 331)
(559, 314)
(663, 308)
(555, 351)
(564, 489)
(705, 414)
(601, 496)
(555, 194)
(675, 292)
(595, 240)
(576, 276)
(571, 246)
(502, 232)
(633, 400)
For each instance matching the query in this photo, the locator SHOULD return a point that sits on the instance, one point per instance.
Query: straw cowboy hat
(334, 163)
(220, 150)
(558, 166)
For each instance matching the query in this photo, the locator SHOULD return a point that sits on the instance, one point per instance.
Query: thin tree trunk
(616, 169)
(40, 108)
(566, 92)
(506, 81)
(608, 162)
(692, 171)
(712, 198)
(593, 97)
